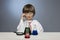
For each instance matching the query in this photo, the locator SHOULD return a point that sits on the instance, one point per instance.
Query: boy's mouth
(28, 16)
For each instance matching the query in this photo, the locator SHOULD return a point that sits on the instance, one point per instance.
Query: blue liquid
(34, 32)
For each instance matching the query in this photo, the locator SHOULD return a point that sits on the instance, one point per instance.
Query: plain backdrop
(47, 13)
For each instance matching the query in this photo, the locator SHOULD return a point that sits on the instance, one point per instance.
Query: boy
(27, 17)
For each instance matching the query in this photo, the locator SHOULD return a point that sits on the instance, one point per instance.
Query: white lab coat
(22, 25)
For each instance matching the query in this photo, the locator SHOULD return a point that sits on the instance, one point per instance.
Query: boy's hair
(29, 8)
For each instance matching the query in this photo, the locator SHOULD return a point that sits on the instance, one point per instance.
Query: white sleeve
(39, 27)
(20, 26)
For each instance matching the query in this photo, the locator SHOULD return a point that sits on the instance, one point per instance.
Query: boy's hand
(23, 15)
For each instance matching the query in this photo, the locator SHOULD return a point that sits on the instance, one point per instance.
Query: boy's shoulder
(35, 21)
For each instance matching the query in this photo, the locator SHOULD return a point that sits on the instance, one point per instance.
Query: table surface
(41, 36)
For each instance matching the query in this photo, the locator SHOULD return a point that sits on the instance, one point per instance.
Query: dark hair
(29, 8)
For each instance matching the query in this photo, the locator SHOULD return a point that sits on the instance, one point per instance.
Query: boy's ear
(33, 15)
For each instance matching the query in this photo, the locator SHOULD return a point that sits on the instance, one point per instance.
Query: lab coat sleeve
(20, 26)
(39, 27)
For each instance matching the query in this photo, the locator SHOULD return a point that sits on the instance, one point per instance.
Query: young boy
(27, 17)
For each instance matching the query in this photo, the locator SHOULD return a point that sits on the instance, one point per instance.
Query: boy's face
(29, 15)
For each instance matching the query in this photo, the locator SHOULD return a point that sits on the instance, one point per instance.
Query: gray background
(47, 13)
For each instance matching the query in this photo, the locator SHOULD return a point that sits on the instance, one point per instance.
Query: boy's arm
(20, 27)
(39, 27)
(20, 24)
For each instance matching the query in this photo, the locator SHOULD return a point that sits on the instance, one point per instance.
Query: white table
(41, 36)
